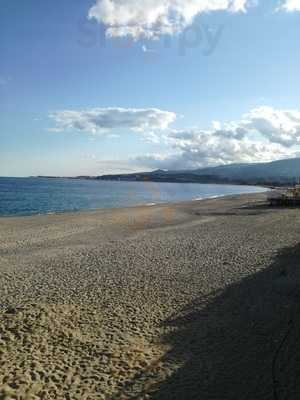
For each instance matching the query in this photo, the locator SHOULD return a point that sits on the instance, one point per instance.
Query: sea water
(29, 196)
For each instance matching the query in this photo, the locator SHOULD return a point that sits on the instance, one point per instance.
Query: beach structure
(289, 196)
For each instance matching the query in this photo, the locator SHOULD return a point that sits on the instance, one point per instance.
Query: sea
(31, 196)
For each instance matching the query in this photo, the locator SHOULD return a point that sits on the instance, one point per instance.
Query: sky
(114, 86)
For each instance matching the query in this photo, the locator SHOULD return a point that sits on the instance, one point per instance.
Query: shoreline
(187, 300)
(87, 210)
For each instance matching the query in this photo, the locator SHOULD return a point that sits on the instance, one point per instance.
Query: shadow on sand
(243, 343)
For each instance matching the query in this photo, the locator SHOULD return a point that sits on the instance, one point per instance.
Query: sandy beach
(195, 300)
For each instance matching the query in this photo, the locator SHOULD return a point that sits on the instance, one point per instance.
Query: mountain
(282, 172)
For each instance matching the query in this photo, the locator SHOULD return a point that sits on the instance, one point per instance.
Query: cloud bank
(152, 18)
(99, 121)
(264, 134)
(204, 149)
(278, 126)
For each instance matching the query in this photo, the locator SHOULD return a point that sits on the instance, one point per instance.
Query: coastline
(154, 204)
(185, 300)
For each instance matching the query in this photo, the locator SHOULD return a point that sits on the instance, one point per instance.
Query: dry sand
(191, 301)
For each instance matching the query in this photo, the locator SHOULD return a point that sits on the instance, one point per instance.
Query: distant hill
(282, 172)
(277, 170)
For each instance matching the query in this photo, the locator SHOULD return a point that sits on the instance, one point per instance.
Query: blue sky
(102, 86)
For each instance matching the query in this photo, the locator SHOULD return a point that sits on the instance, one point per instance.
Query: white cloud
(264, 134)
(195, 149)
(278, 126)
(290, 5)
(221, 153)
(99, 121)
(153, 18)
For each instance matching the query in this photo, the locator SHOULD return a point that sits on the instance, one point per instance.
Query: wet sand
(196, 300)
